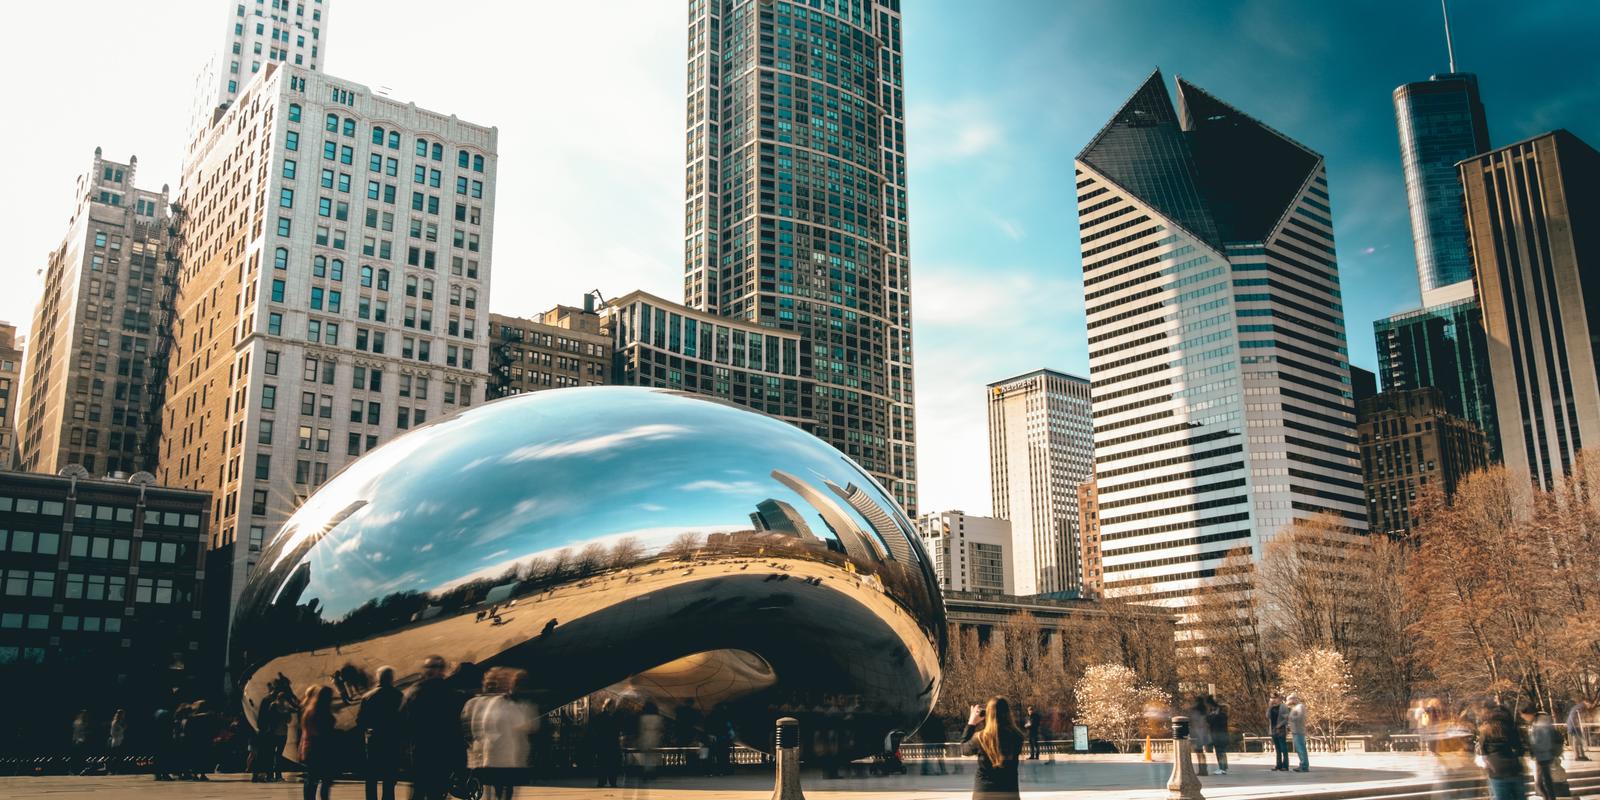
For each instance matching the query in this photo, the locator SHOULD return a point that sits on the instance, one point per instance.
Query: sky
(1001, 95)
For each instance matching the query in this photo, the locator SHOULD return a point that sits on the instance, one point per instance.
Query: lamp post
(786, 783)
(1183, 785)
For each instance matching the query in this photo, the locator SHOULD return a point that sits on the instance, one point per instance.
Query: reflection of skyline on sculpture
(749, 541)
(573, 482)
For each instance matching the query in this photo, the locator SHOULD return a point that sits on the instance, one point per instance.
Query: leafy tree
(1322, 679)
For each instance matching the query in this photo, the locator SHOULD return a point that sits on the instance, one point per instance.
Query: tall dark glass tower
(795, 205)
(1442, 346)
(1441, 122)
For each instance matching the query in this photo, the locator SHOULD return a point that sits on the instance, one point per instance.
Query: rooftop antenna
(1449, 46)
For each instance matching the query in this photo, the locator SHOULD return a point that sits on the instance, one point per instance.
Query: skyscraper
(334, 292)
(1222, 397)
(259, 32)
(795, 205)
(1533, 214)
(1041, 447)
(1441, 121)
(1443, 347)
(94, 367)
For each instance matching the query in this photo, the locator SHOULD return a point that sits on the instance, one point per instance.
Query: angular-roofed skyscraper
(1220, 380)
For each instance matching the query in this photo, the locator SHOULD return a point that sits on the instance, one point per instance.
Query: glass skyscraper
(1445, 347)
(1220, 376)
(795, 205)
(1441, 122)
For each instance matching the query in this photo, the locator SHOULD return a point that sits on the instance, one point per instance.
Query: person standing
(1199, 734)
(1031, 726)
(317, 742)
(432, 716)
(1545, 745)
(1575, 731)
(378, 722)
(116, 739)
(993, 737)
(1297, 730)
(1500, 751)
(605, 745)
(1217, 727)
(1278, 729)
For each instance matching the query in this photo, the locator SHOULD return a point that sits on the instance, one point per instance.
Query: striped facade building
(1217, 355)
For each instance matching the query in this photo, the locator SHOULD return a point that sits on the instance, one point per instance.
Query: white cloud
(593, 444)
(951, 131)
(730, 487)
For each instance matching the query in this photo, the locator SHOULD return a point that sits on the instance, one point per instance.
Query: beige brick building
(10, 389)
(562, 347)
(93, 371)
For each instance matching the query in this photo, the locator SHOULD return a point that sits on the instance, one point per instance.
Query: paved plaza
(1100, 777)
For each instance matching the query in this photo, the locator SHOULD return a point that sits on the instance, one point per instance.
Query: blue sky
(1001, 95)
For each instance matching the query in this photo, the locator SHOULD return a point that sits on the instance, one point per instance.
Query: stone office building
(562, 347)
(103, 587)
(1409, 440)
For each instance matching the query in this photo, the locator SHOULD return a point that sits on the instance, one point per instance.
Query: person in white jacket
(499, 724)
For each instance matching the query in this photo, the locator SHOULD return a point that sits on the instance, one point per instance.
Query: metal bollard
(1183, 785)
(786, 784)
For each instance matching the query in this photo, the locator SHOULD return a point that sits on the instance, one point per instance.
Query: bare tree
(1224, 640)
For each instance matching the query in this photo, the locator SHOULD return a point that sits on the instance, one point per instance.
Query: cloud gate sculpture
(652, 544)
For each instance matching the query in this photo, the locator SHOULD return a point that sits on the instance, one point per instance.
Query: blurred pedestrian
(163, 734)
(1575, 731)
(79, 764)
(1278, 728)
(317, 745)
(116, 741)
(499, 724)
(200, 728)
(1030, 725)
(1545, 745)
(933, 735)
(378, 722)
(1199, 733)
(1297, 730)
(604, 743)
(1500, 751)
(432, 716)
(1217, 727)
(993, 737)
(647, 740)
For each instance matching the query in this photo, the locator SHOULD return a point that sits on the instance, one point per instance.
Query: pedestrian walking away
(499, 724)
(993, 737)
(1297, 730)
(1575, 731)
(1500, 751)
(1545, 745)
(317, 744)
(382, 741)
(432, 716)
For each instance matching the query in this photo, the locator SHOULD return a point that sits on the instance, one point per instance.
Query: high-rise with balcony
(1223, 408)
(795, 205)
(1533, 215)
(334, 292)
(1041, 447)
(96, 354)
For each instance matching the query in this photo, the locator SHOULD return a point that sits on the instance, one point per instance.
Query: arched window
(294, 112)
(377, 135)
(331, 123)
(427, 289)
(337, 273)
(280, 258)
(394, 140)
(472, 298)
(422, 147)
(319, 266)
(383, 280)
(461, 159)
(477, 163)
(455, 295)
(411, 286)
(366, 275)
(349, 126)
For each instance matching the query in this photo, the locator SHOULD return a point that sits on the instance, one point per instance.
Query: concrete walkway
(1072, 778)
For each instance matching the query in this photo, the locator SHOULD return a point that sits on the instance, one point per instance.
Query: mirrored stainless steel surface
(671, 547)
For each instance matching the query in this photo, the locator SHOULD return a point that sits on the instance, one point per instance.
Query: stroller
(888, 762)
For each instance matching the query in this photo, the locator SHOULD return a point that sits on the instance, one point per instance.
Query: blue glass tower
(1441, 122)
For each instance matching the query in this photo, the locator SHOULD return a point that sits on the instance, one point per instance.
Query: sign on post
(1080, 738)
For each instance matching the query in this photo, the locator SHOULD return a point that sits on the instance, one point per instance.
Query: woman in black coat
(993, 737)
